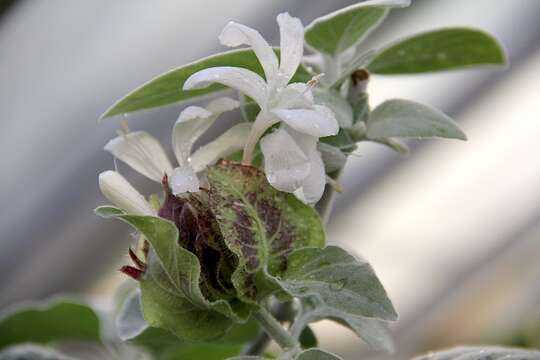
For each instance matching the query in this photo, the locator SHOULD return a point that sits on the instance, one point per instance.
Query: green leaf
(307, 338)
(260, 224)
(376, 333)
(249, 108)
(338, 31)
(439, 50)
(403, 118)
(339, 106)
(170, 292)
(49, 322)
(338, 281)
(130, 322)
(166, 89)
(203, 351)
(481, 353)
(317, 354)
(32, 352)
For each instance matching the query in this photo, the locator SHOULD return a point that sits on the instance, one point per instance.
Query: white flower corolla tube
(290, 164)
(144, 153)
(120, 192)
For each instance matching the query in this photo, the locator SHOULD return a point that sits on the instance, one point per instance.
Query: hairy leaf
(260, 224)
(317, 354)
(170, 292)
(338, 281)
(481, 353)
(376, 333)
(403, 118)
(166, 89)
(338, 31)
(439, 50)
(49, 322)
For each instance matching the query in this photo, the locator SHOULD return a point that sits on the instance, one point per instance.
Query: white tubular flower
(144, 153)
(290, 104)
(120, 192)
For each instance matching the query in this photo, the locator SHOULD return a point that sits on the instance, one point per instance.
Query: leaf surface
(439, 50)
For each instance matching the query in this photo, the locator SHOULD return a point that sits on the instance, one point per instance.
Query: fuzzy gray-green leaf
(260, 224)
(166, 89)
(317, 354)
(337, 280)
(481, 353)
(439, 50)
(338, 31)
(404, 118)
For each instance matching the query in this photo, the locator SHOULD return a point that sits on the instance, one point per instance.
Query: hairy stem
(274, 329)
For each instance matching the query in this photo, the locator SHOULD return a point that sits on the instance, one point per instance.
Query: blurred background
(453, 230)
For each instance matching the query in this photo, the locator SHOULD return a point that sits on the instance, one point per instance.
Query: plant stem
(274, 329)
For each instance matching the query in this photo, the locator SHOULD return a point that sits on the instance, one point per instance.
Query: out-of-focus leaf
(403, 118)
(317, 354)
(338, 31)
(166, 88)
(203, 352)
(49, 322)
(481, 353)
(439, 50)
(32, 352)
(307, 338)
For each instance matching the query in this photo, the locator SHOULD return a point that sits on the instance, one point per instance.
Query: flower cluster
(288, 126)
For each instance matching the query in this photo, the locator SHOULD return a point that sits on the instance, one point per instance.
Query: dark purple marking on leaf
(200, 234)
(132, 272)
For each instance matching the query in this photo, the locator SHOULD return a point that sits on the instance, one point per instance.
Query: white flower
(292, 162)
(145, 154)
(120, 192)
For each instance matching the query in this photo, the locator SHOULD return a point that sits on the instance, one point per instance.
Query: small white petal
(235, 34)
(183, 180)
(285, 164)
(222, 104)
(142, 152)
(120, 192)
(291, 45)
(313, 185)
(318, 122)
(243, 80)
(193, 122)
(227, 143)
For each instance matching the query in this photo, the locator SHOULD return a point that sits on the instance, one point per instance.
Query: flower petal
(142, 152)
(193, 122)
(243, 80)
(313, 185)
(318, 122)
(285, 164)
(295, 96)
(120, 192)
(235, 34)
(227, 143)
(183, 180)
(291, 33)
